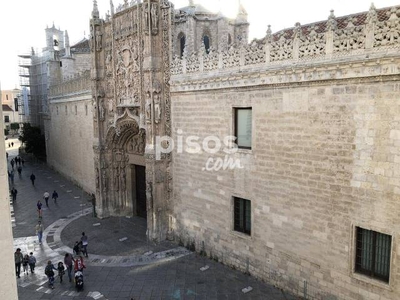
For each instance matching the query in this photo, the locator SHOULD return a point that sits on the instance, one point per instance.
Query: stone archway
(124, 149)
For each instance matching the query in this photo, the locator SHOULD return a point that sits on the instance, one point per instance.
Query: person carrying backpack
(32, 262)
(49, 271)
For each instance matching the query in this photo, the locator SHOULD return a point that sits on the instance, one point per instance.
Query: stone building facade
(69, 118)
(309, 201)
(10, 108)
(321, 176)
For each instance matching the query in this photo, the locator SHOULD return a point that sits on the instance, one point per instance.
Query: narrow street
(121, 263)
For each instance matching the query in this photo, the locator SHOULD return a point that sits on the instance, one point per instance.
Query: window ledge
(241, 235)
(244, 151)
(372, 281)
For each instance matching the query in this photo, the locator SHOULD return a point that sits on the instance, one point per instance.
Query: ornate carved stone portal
(131, 103)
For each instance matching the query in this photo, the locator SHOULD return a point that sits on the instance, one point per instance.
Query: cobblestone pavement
(121, 264)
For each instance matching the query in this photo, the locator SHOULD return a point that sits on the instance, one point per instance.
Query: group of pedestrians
(81, 246)
(18, 162)
(70, 263)
(24, 260)
(28, 262)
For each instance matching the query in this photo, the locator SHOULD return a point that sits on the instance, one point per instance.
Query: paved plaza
(121, 263)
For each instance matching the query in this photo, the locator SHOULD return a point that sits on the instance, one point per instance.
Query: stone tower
(196, 27)
(54, 39)
(130, 85)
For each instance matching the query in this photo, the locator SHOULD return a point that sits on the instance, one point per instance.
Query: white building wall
(69, 139)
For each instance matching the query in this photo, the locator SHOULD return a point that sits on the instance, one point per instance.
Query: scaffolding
(33, 76)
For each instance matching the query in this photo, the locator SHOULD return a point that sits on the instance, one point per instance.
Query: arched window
(206, 41)
(229, 39)
(182, 44)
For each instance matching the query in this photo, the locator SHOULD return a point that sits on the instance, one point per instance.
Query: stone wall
(69, 134)
(323, 161)
(324, 157)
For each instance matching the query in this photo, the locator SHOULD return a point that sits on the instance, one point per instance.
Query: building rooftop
(6, 107)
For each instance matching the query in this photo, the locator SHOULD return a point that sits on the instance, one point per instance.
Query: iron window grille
(373, 254)
(242, 215)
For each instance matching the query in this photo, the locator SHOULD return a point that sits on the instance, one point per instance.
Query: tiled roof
(357, 19)
(83, 44)
(81, 47)
(6, 107)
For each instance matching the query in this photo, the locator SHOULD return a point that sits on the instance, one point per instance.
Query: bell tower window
(206, 41)
(182, 44)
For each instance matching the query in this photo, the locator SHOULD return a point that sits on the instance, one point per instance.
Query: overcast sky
(22, 22)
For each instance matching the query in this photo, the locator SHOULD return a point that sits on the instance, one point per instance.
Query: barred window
(373, 254)
(242, 215)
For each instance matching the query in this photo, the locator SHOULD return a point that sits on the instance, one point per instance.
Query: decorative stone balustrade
(374, 31)
(77, 84)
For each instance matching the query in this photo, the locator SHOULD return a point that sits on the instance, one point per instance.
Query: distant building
(10, 107)
(35, 68)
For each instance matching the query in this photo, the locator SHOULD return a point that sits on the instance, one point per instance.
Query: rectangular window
(242, 215)
(7, 119)
(373, 254)
(243, 127)
(16, 104)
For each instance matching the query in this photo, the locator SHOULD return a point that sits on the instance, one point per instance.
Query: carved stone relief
(281, 49)
(127, 72)
(254, 53)
(136, 145)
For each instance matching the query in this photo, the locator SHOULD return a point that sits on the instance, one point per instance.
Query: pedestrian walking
(12, 176)
(25, 264)
(14, 193)
(61, 270)
(46, 196)
(39, 231)
(19, 169)
(39, 208)
(23, 161)
(32, 262)
(79, 264)
(12, 162)
(84, 240)
(18, 257)
(54, 196)
(49, 271)
(33, 177)
(68, 261)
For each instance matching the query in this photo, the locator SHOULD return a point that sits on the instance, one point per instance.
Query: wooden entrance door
(140, 174)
